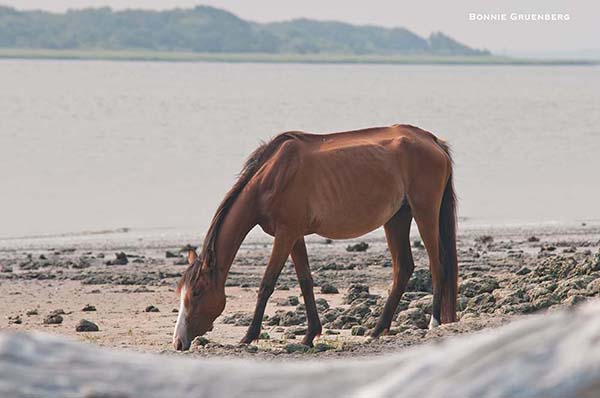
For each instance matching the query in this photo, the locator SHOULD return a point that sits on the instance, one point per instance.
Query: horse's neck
(240, 219)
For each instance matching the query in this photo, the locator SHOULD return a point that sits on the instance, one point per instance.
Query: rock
(86, 326)
(356, 291)
(425, 303)
(200, 341)
(151, 308)
(251, 349)
(358, 247)
(238, 319)
(332, 332)
(291, 318)
(294, 347)
(6, 269)
(359, 330)
(485, 239)
(533, 239)
(412, 317)
(328, 288)
(417, 244)
(170, 254)
(420, 281)
(484, 302)
(297, 330)
(53, 319)
(477, 285)
(15, 319)
(32, 312)
(322, 304)
(288, 301)
(322, 347)
(120, 259)
(264, 336)
(88, 308)
(328, 241)
(574, 300)
(523, 271)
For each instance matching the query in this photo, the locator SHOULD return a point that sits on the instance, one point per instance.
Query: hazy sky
(578, 34)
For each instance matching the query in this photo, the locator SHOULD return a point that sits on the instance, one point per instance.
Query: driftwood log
(555, 355)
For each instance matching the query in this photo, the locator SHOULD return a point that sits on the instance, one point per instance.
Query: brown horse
(339, 186)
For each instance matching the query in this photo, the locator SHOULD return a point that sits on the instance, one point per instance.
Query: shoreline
(171, 56)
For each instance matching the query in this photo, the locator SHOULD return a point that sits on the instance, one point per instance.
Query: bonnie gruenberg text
(519, 17)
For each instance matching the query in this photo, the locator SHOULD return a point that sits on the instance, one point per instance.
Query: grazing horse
(339, 186)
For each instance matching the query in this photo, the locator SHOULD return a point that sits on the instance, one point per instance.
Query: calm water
(102, 145)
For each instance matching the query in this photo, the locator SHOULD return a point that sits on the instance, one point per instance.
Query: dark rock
(420, 281)
(32, 312)
(264, 336)
(120, 259)
(485, 239)
(294, 347)
(523, 271)
(328, 288)
(238, 319)
(356, 291)
(533, 239)
(417, 244)
(477, 285)
(322, 347)
(86, 326)
(88, 307)
(170, 254)
(322, 304)
(151, 308)
(359, 330)
(15, 319)
(200, 341)
(53, 319)
(358, 247)
(412, 317)
(328, 241)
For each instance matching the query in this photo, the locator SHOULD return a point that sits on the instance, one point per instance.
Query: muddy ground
(505, 273)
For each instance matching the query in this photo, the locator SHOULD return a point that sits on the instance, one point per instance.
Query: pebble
(53, 319)
(88, 308)
(151, 308)
(328, 288)
(86, 326)
(358, 247)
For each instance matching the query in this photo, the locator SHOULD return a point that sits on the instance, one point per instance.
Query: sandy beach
(505, 273)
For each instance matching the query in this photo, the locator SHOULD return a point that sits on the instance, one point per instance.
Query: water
(92, 146)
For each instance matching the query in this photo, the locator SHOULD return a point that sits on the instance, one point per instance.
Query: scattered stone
(359, 330)
(264, 336)
(53, 319)
(32, 312)
(412, 317)
(6, 269)
(288, 301)
(417, 244)
(332, 332)
(151, 308)
(120, 259)
(322, 304)
(88, 308)
(358, 247)
(328, 288)
(170, 254)
(523, 271)
(238, 319)
(295, 347)
(328, 241)
(356, 291)
(15, 320)
(420, 281)
(86, 326)
(251, 349)
(477, 285)
(533, 239)
(200, 341)
(485, 239)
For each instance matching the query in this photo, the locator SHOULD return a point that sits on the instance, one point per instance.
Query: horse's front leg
(300, 259)
(282, 246)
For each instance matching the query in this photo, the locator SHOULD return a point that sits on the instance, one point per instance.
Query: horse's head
(201, 302)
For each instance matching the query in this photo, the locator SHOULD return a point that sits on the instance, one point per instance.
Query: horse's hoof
(433, 323)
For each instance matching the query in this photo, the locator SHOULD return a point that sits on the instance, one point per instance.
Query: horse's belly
(347, 222)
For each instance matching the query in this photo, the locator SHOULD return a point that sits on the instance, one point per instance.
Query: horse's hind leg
(300, 259)
(426, 215)
(282, 246)
(397, 233)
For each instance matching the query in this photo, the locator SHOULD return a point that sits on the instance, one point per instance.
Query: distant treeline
(210, 30)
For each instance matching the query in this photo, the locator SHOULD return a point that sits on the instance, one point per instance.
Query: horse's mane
(208, 254)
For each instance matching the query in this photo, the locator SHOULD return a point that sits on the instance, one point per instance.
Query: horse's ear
(192, 256)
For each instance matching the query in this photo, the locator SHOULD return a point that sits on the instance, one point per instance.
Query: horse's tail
(448, 253)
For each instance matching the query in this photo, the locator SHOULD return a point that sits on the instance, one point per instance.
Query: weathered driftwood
(555, 355)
